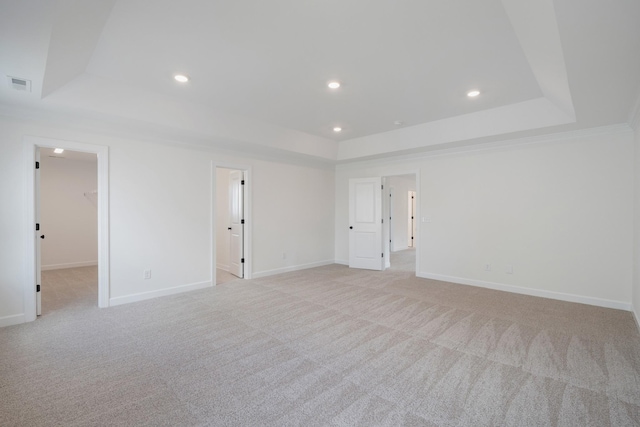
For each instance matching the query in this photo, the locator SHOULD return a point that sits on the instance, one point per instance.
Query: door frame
(248, 222)
(31, 143)
(416, 173)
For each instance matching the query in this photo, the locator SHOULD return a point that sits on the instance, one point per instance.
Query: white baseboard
(636, 317)
(15, 319)
(291, 268)
(600, 302)
(68, 265)
(158, 293)
(222, 267)
(341, 262)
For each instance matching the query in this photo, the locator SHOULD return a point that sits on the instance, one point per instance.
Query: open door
(236, 228)
(38, 236)
(365, 223)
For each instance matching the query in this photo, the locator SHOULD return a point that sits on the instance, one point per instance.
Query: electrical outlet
(146, 274)
(487, 267)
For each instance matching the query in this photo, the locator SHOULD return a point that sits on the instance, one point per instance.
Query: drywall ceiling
(69, 155)
(259, 69)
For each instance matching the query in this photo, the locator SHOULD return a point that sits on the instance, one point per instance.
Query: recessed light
(59, 150)
(337, 129)
(334, 85)
(181, 78)
(473, 93)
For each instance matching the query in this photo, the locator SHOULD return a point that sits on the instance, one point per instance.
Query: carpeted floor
(69, 288)
(325, 346)
(223, 276)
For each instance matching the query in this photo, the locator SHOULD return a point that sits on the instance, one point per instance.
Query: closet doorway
(231, 221)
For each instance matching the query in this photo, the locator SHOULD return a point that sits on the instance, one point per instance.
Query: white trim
(417, 245)
(341, 262)
(222, 267)
(68, 265)
(386, 225)
(634, 115)
(600, 302)
(488, 143)
(636, 317)
(15, 319)
(212, 224)
(142, 296)
(293, 268)
(102, 153)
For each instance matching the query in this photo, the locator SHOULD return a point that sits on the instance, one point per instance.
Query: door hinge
(382, 254)
(382, 219)
(242, 261)
(411, 237)
(37, 226)
(382, 187)
(37, 165)
(242, 221)
(37, 288)
(242, 182)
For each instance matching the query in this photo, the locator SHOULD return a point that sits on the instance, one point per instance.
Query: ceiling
(68, 155)
(259, 70)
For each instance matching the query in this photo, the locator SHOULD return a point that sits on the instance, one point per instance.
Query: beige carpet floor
(223, 276)
(326, 346)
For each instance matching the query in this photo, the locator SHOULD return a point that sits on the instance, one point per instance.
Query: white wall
(400, 187)
(68, 219)
(560, 211)
(296, 214)
(161, 216)
(222, 215)
(12, 249)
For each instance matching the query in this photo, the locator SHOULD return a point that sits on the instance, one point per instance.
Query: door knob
(351, 228)
(228, 228)
(42, 237)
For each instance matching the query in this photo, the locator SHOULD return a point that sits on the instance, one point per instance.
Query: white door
(236, 216)
(365, 223)
(38, 236)
(412, 218)
(391, 244)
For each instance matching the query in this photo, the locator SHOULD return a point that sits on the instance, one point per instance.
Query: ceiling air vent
(19, 84)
